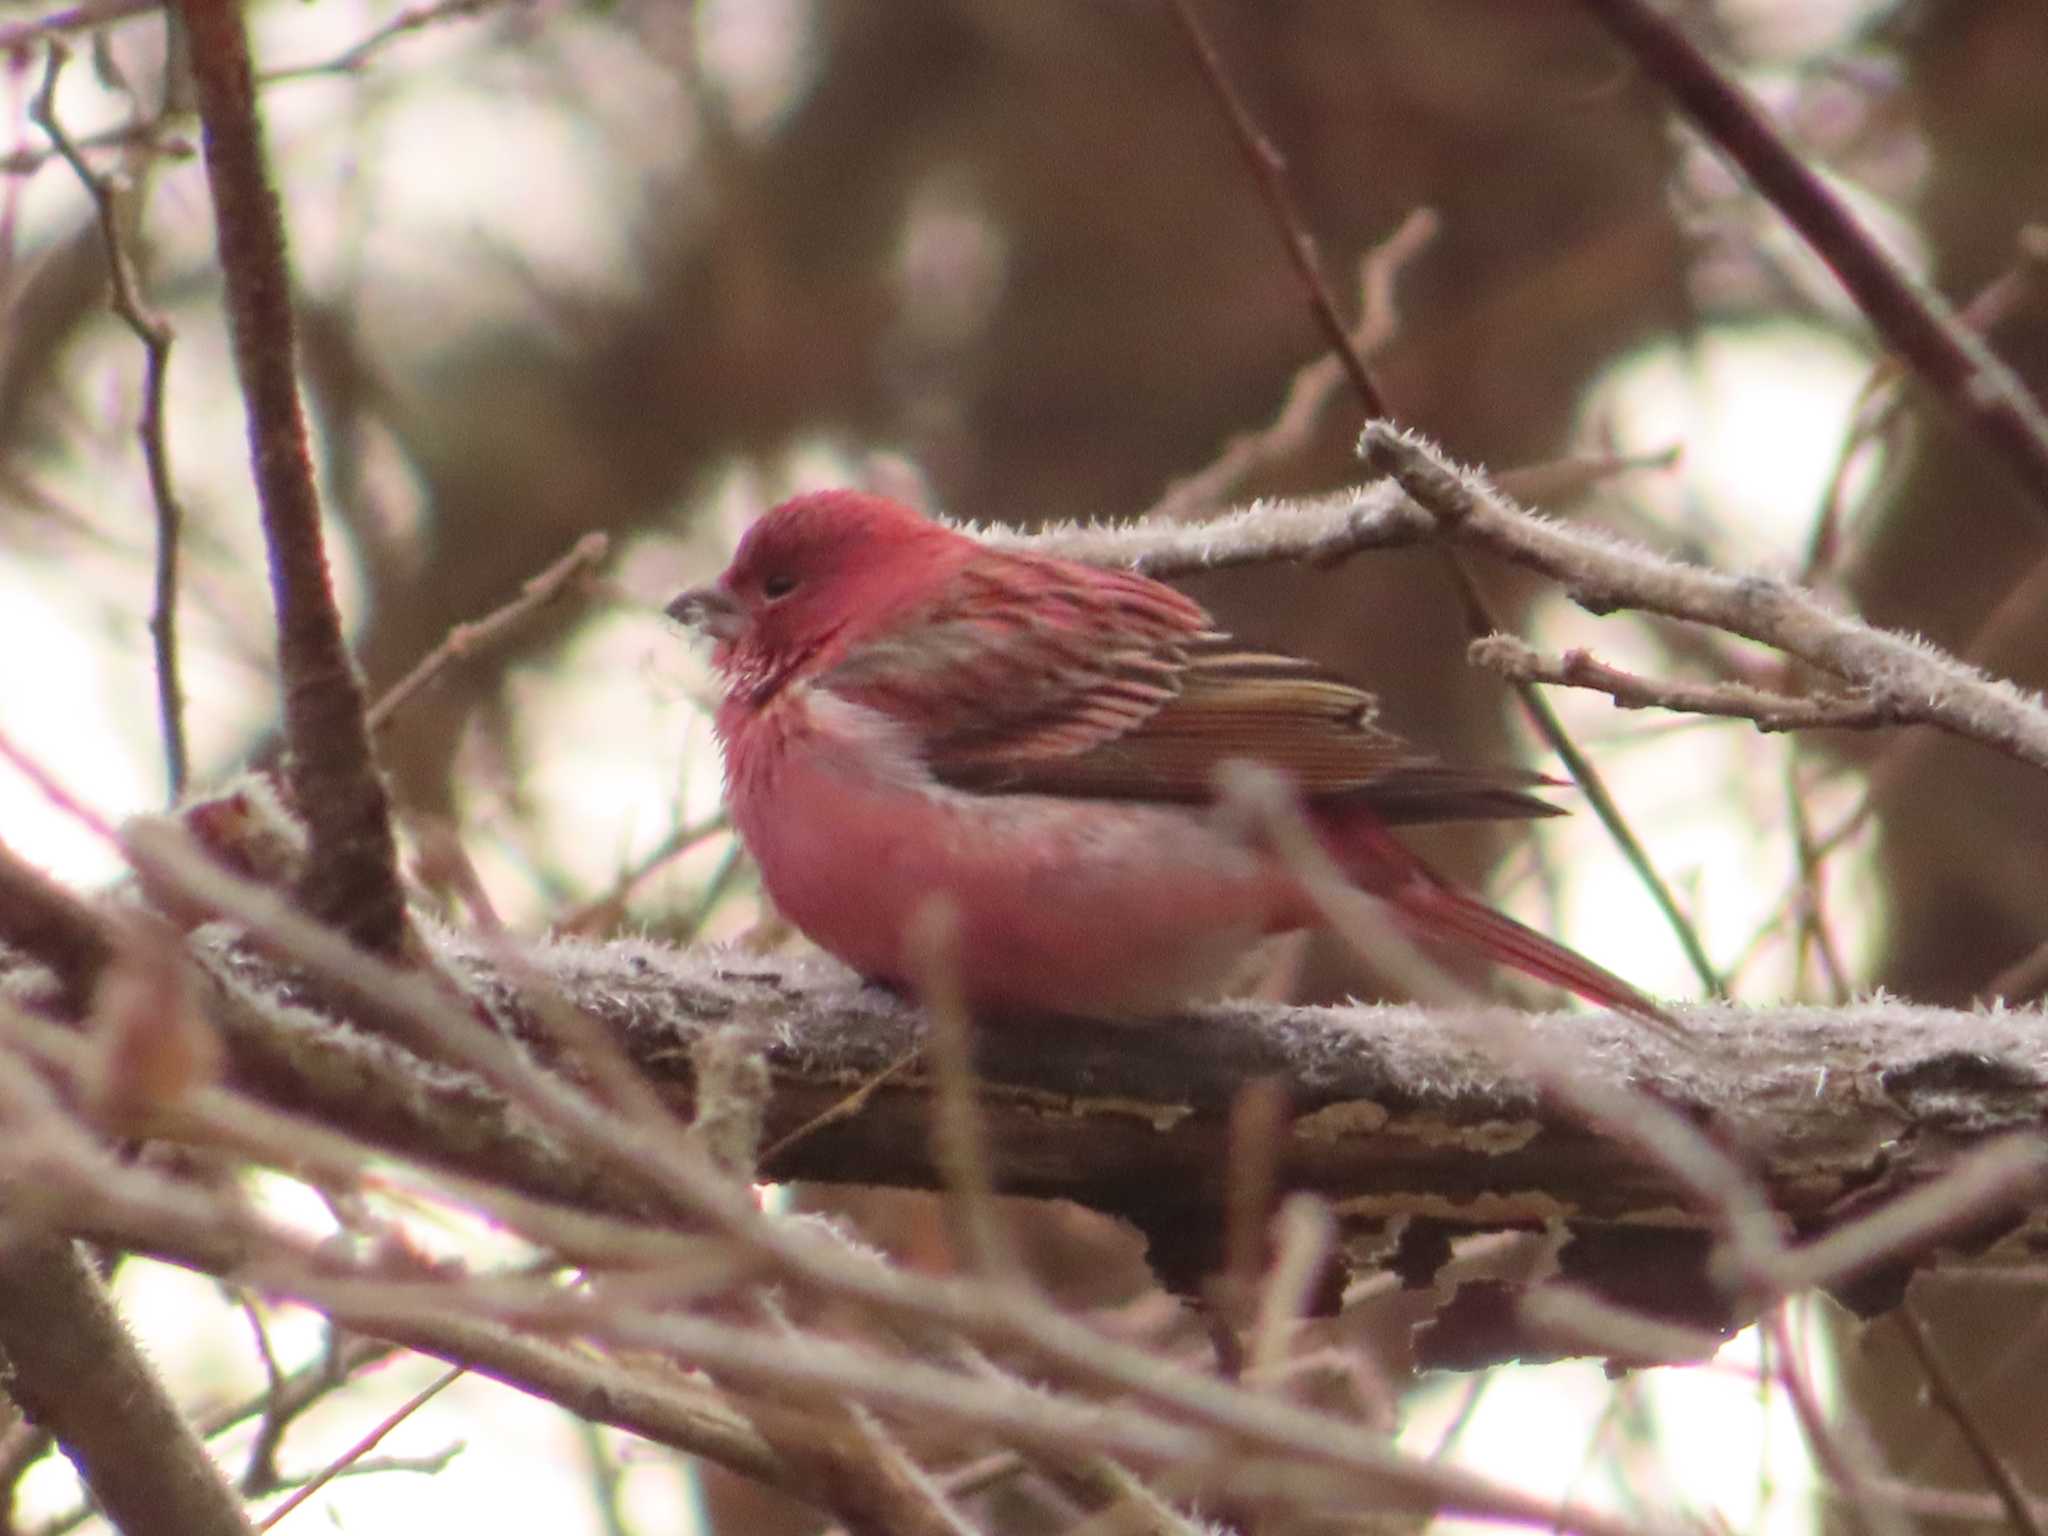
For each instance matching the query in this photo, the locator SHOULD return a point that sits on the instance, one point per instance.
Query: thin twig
(1269, 170)
(1848, 1463)
(1313, 386)
(1204, 1413)
(149, 137)
(1812, 907)
(1957, 365)
(1880, 403)
(916, 1502)
(414, 18)
(1947, 1394)
(42, 919)
(367, 1444)
(466, 640)
(156, 336)
(1304, 1233)
(1257, 1138)
(1767, 711)
(654, 1405)
(259, 1472)
(1579, 1319)
(841, 1109)
(602, 911)
(53, 789)
(1982, 1185)
(1480, 622)
(351, 877)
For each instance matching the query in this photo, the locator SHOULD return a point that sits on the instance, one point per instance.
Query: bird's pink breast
(1092, 907)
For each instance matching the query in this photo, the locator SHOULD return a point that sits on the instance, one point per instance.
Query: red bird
(909, 713)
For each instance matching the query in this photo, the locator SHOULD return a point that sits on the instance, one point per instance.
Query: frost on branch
(1419, 1127)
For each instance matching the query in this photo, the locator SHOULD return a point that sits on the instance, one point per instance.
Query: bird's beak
(712, 609)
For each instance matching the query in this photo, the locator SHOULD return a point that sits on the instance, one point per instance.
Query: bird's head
(812, 578)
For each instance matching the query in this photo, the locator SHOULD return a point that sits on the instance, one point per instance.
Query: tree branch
(78, 1373)
(1922, 684)
(351, 877)
(1766, 710)
(1956, 363)
(156, 336)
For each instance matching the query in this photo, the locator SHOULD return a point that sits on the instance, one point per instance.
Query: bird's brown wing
(1114, 686)
(1234, 703)
(1010, 666)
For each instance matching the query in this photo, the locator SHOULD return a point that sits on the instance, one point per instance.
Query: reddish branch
(351, 877)
(1914, 322)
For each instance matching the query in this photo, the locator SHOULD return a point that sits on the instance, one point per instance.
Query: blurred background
(647, 267)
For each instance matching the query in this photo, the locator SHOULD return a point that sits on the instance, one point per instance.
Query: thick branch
(352, 876)
(78, 1373)
(1823, 1116)
(1394, 1111)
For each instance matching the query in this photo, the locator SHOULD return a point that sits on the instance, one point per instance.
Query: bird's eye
(781, 584)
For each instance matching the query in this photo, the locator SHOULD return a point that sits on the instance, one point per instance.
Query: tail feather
(1435, 910)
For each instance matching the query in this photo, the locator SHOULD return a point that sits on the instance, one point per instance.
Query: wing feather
(1114, 686)
(1004, 668)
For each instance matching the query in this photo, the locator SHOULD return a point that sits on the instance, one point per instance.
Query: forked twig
(466, 640)
(366, 1444)
(156, 336)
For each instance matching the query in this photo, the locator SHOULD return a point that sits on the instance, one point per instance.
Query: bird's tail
(1432, 909)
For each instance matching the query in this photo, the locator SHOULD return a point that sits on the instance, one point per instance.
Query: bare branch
(1956, 363)
(147, 138)
(78, 1372)
(1947, 1393)
(959, 1142)
(602, 911)
(52, 25)
(1313, 387)
(1603, 574)
(352, 59)
(466, 640)
(1480, 623)
(351, 877)
(1768, 711)
(1269, 169)
(1846, 1458)
(43, 920)
(365, 1445)
(156, 336)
